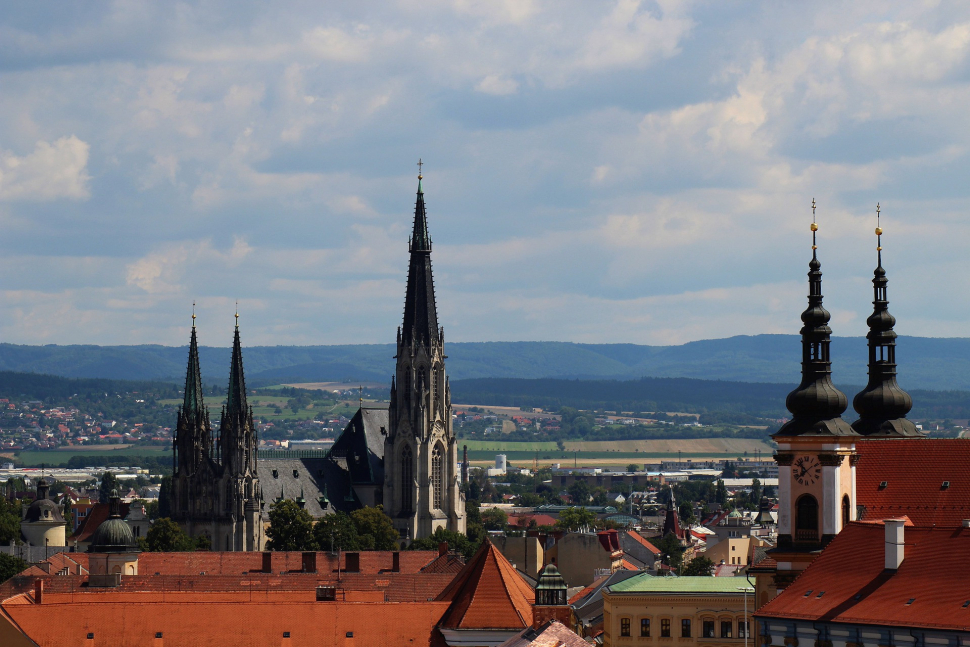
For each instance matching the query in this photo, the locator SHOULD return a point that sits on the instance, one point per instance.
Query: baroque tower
(237, 449)
(816, 448)
(421, 481)
(882, 406)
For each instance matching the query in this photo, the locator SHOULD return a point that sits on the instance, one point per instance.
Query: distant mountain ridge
(924, 363)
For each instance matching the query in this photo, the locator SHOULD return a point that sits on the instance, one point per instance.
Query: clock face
(806, 469)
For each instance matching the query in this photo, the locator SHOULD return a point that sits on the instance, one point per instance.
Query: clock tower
(816, 448)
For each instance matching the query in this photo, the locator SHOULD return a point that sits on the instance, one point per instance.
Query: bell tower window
(806, 518)
(846, 511)
(437, 480)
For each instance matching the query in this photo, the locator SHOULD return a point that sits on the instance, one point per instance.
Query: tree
(66, 512)
(9, 520)
(720, 493)
(166, 536)
(290, 527)
(579, 491)
(632, 467)
(376, 530)
(455, 540)
(10, 566)
(755, 491)
(529, 499)
(494, 519)
(574, 518)
(336, 532)
(699, 566)
(686, 511)
(671, 550)
(109, 482)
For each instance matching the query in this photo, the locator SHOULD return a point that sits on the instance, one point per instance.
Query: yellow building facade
(660, 611)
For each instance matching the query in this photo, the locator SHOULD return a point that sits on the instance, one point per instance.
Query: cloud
(55, 170)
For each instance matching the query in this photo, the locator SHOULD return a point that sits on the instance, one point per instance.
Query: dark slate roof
(360, 448)
(420, 313)
(311, 478)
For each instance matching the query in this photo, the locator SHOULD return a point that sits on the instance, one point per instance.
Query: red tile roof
(488, 594)
(848, 583)
(914, 471)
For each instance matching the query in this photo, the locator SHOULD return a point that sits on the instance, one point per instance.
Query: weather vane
(878, 230)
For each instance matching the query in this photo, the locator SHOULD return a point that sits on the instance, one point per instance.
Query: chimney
(38, 591)
(894, 543)
(442, 548)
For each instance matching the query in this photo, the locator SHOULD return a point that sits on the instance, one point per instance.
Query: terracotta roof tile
(849, 584)
(914, 471)
(488, 594)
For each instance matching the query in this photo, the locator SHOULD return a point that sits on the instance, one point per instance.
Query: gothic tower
(816, 448)
(882, 406)
(421, 481)
(237, 448)
(194, 469)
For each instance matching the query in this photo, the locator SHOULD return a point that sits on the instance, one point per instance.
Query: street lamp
(747, 627)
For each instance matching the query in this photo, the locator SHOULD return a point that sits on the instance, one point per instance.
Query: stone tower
(194, 470)
(421, 480)
(237, 450)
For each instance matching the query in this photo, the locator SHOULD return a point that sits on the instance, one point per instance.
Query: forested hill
(761, 400)
(924, 363)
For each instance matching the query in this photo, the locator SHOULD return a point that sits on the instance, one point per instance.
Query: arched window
(806, 518)
(437, 476)
(407, 479)
(846, 511)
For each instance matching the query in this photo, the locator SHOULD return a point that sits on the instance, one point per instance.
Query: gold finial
(237, 313)
(420, 164)
(360, 393)
(193, 314)
(878, 230)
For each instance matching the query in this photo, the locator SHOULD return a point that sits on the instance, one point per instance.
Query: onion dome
(551, 587)
(114, 535)
(43, 509)
(882, 406)
(816, 404)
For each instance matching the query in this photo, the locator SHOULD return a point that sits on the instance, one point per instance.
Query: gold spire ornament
(193, 314)
(878, 230)
(420, 164)
(237, 313)
(814, 225)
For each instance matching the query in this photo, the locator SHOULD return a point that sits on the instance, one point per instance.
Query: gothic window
(806, 518)
(437, 476)
(845, 511)
(407, 479)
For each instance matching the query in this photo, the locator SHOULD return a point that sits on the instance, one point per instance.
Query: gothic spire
(882, 406)
(192, 404)
(816, 404)
(236, 393)
(420, 314)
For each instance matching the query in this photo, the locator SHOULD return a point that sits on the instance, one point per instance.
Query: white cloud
(54, 170)
(498, 85)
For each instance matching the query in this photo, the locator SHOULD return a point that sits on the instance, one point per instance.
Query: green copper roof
(646, 583)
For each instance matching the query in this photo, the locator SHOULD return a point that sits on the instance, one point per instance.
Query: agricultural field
(62, 456)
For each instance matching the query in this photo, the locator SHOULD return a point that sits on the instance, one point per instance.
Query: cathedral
(404, 457)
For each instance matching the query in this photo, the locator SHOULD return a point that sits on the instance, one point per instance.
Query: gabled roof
(488, 594)
(551, 634)
(360, 448)
(97, 515)
(848, 582)
(637, 537)
(914, 471)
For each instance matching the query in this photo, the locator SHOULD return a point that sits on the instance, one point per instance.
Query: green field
(60, 457)
(264, 408)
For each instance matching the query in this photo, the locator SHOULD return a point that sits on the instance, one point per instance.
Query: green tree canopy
(671, 550)
(699, 566)
(632, 467)
(494, 519)
(290, 527)
(336, 532)
(375, 529)
(10, 566)
(9, 520)
(109, 482)
(755, 491)
(574, 518)
(579, 491)
(455, 540)
(166, 536)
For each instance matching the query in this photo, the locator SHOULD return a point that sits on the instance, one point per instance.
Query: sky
(594, 171)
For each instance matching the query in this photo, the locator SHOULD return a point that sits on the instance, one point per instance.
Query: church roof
(848, 583)
(925, 479)
(420, 313)
(316, 480)
(361, 445)
(488, 594)
(236, 404)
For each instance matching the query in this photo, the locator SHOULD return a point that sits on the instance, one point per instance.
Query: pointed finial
(360, 393)
(237, 313)
(814, 226)
(420, 164)
(193, 314)
(878, 230)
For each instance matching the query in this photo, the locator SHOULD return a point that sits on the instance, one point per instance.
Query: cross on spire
(237, 313)
(193, 314)
(814, 226)
(878, 230)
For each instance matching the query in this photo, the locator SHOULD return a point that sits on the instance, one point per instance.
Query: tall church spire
(420, 313)
(237, 433)
(192, 403)
(882, 406)
(816, 404)
(193, 437)
(236, 394)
